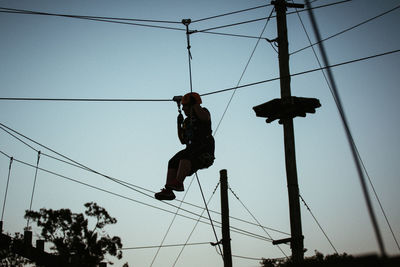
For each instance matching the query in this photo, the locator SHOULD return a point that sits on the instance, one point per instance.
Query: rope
(209, 216)
(5, 195)
(170, 225)
(33, 188)
(348, 133)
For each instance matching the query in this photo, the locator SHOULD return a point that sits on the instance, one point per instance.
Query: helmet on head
(190, 97)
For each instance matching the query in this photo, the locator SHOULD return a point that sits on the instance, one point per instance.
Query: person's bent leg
(185, 166)
(171, 175)
(183, 171)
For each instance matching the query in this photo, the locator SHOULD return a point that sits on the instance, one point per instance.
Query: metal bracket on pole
(282, 241)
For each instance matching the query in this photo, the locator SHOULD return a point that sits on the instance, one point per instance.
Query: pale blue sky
(53, 57)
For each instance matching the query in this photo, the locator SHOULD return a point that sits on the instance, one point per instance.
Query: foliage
(71, 237)
(9, 258)
(316, 260)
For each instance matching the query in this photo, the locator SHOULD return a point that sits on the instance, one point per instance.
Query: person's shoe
(165, 194)
(175, 185)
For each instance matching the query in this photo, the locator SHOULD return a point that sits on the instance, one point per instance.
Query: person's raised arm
(180, 130)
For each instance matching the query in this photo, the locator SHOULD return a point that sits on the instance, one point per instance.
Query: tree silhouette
(8, 258)
(71, 237)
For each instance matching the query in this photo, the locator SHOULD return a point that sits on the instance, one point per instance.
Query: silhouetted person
(195, 132)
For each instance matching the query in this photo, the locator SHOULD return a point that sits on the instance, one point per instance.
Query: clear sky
(59, 57)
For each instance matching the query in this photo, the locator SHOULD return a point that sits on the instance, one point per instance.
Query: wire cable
(243, 72)
(346, 30)
(255, 219)
(33, 187)
(209, 216)
(231, 13)
(359, 156)
(94, 19)
(194, 227)
(30, 12)
(319, 225)
(84, 99)
(170, 225)
(348, 133)
(377, 198)
(217, 91)
(167, 246)
(5, 194)
(303, 72)
(234, 229)
(81, 166)
(264, 18)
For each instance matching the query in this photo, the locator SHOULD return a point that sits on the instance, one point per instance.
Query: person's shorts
(200, 155)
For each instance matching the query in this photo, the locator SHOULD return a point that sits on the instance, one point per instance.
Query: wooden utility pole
(226, 237)
(296, 240)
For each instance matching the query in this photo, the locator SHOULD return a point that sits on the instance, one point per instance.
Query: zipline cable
(5, 194)
(212, 92)
(348, 133)
(264, 18)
